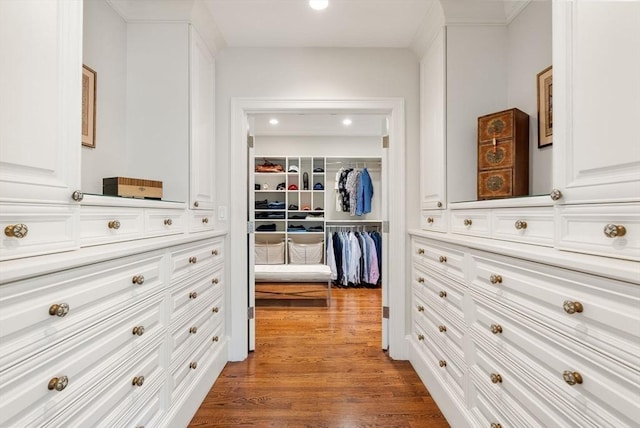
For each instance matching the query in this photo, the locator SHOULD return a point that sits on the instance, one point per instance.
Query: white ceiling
(363, 125)
(292, 23)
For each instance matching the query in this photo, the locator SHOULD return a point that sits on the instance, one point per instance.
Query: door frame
(393, 294)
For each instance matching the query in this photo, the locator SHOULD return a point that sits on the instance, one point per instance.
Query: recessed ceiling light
(274, 121)
(318, 4)
(346, 122)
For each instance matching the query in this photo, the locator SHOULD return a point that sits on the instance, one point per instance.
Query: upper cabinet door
(40, 100)
(202, 124)
(432, 129)
(596, 101)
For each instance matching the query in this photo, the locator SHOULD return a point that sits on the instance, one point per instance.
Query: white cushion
(292, 273)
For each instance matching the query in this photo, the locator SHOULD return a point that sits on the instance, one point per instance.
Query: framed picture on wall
(545, 107)
(88, 107)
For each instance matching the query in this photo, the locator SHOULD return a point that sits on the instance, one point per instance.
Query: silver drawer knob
(439, 204)
(58, 383)
(215, 339)
(442, 328)
(16, 230)
(59, 310)
(193, 260)
(555, 194)
(467, 222)
(215, 281)
(420, 308)
(614, 230)
(138, 381)
(168, 222)
(215, 309)
(442, 363)
(421, 280)
(496, 328)
(193, 330)
(138, 279)
(495, 378)
(420, 337)
(571, 307)
(114, 224)
(495, 279)
(420, 251)
(572, 378)
(193, 295)
(442, 259)
(521, 224)
(205, 220)
(196, 204)
(443, 294)
(138, 330)
(214, 252)
(430, 220)
(193, 365)
(77, 196)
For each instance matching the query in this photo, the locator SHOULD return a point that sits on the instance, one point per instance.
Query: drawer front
(495, 183)
(446, 260)
(90, 293)
(86, 360)
(440, 292)
(190, 331)
(498, 156)
(33, 230)
(530, 225)
(471, 222)
(164, 222)
(188, 294)
(201, 221)
(192, 259)
(604, 230)
(146, 411)
(435, 220)
(103, 225)
(609, 321)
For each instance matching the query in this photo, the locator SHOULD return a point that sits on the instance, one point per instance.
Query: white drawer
(192, 293)
(49, 229)
(201, 220)
(471, 222)
(102, 225)
(582, 229)
(445, 330)
(91, 293)
(609, 322)
(527, 225)
(444, 259)
(191, 259)
(441, 293)
(85, 360)
(190, 331)
(145, 410)
(164, 222)
(435, 220)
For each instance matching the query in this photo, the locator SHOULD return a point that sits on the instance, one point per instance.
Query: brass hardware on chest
(138, 381)
(496, 378)
(572, 307)
(114, 224)
(555, 194)
(214, 252)
(193, 330)
(521, 224)
(214, 281)
(614, 230)
(495, 279)
(421, 251)
(58, 383)
(420, 337)
(138, 279)
(193, 260)
(215, 339)
(443, 294)
(420, 308)
(215, 309)
(442, 363)
(496, 328)
(193, 295)
(138, 330)
(421, 280)
(77, 196)
(16, 231)
(430, 220)
(572, 378)
(205, 220)
(59, 309)
(442, 259)
(196, 204)
(168, 222)
(193, 365)
(442, 328)
(467, 222)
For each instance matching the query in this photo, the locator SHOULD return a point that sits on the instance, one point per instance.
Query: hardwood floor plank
(320, 367)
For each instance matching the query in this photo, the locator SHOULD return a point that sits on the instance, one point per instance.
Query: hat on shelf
(293, 207)
(306, 208)
(293, 168)
(318, 186)
(293, 187)
(281, 186)
(318, 169)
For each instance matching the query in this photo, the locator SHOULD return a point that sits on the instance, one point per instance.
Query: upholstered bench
(295, 273)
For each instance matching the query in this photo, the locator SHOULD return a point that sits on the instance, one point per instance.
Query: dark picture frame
(545, 107)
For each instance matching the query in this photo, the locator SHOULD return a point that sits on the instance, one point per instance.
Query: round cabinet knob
(77, 196)
(496, 328)
(193, 260)
(193, 365)
(138, 279)
(614, 230)
(193, 295)
(114, 224)
(572, 378)
(421, 280)
(214, 252)
(215, 309)
(420, 250)
(214, 281)
(205, 220)
(439, 204)
(16, 230)
(420, 308)
(442, 363)
(495, 425)
(58, 383)
(555, 194)
(443, 294)
(496, 378)
(193, 330)
(215, 339)
(495, 279)
(196, 204)
(467, 222)
(59, 309)
(420, 337)
(442, 259)
(138, 330)
(442, 328)
(138, 381)
(430, 220)
(571, 307)
(168, 222)
(521, 224)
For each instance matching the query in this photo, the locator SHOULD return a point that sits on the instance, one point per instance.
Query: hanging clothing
(364, 193)
(353, 258)
(352, 186)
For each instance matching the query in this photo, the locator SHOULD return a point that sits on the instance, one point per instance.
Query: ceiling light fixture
(318, 4)
(273, 121)
(346, 122)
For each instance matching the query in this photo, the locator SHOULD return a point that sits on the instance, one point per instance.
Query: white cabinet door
(596, 105)
(202, 85)
(40, 101)
(432, 132)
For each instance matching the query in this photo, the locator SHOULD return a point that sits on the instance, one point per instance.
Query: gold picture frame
(88, 107)
(545, 107)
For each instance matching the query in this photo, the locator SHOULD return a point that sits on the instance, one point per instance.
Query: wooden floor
(320, 367)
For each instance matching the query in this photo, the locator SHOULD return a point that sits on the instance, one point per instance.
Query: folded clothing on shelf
(276, 205)
(261, 205)
(315, 229)
(266, 228)
(296, 228)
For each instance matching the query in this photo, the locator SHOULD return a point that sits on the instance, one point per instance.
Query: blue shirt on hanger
(364, 193)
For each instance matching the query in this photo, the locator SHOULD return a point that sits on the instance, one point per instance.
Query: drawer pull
(168, 222)
(193, 260)
(442, 294)
(420, 250)
(420, 337)
(421, 280)
(572, 307)
(77, 196)
(420, 308)
(614, 230)
(467, 222)
(138, 381)
(196, 204)
(442, 259)
(193, 330)
(495, 425)
(59, 309)
(205, 220)
(495, 279)
(572, 378)
(58, 383)
(442, 363)
(16, 230)
(215, 339)
(215, 309)
(114, 224)
(496, 328)
(214, 281)
(439, 204)
(138, 279)
(193, 365)
(555, 194)
(521, 224)
(138, 330)
(430, 220)
(442, 328)
(214, 252)
(496, 378)
(193, 295)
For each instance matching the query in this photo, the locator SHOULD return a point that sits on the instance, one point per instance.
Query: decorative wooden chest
(132, 187)
(503, 154)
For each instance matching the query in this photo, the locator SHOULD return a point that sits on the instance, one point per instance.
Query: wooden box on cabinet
(503, 154)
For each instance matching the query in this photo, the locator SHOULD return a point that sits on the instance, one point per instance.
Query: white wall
(104, 50)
